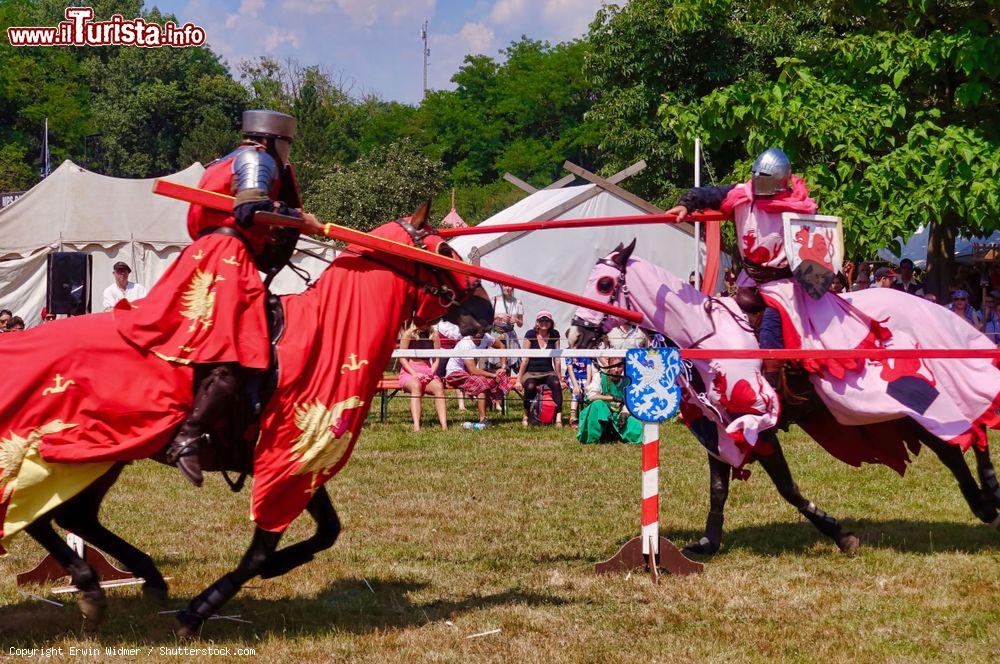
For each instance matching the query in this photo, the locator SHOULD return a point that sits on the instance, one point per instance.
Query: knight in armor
(209, 308)
(787, 309)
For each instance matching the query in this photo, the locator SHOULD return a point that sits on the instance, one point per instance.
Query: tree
(523, 115)
(681, 50)
(892, 117)
(384, 184)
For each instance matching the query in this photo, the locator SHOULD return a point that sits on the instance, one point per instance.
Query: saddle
(789, 380)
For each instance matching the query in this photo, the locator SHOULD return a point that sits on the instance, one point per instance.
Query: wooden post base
(49, 570)
(630, 557)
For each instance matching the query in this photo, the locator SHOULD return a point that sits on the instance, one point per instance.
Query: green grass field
(470, 531)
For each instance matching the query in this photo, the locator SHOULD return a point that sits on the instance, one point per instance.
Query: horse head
(606, 282)
(455, 297)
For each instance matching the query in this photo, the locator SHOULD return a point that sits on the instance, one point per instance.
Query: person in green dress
(605, 419)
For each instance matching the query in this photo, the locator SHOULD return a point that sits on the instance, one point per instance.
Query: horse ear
(420, 217)
(622, 254)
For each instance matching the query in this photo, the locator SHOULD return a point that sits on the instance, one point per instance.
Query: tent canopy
(915, 248)
(565, 257)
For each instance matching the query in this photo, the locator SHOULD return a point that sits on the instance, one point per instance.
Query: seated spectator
(960, 305)
(992, 327)
(578, 375)
(122, 289)
(538, 371)
(419, 376)
(988, 310)
(604, 418)
(5, 316)
(46, 316)
(464, 374)
(839, 283)
(907, 280)
(15, 324)
(627, 336)
(930, 297)
(450, 336)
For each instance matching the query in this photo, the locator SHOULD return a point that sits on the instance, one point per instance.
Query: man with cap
(788, 314)
(884, 277)
(122, 289)
(208, 309)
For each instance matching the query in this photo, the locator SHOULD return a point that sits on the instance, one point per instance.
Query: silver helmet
(271, 124)
(771, 173)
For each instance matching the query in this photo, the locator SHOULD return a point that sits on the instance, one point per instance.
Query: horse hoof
(184, 631)
(703, 547)
(156, 595)
(93, 605)
(849, 544)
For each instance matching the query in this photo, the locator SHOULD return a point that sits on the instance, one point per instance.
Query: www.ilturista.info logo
(79, 29)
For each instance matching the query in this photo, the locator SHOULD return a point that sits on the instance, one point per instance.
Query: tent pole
(697, 224)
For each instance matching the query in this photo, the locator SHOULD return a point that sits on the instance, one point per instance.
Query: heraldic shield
(652, 394)
(814, 245)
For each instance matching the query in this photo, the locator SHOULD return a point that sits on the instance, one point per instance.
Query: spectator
(464, 374)
(839, 283)
(988, 310)
(930, 297)
(991, 327)
(960, 305)
(578, 375)
(122, 289)
(508, 316)
(450, 336)
(538, 371)
(627, 336)
(691, 278)
(46, 316)
(5, 316)
(729, 290)
(884, 277)
(907, 281)
(419, 376)
(604, 419)
(15, 324)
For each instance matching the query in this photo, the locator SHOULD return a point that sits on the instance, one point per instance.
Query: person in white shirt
(464, 374)
(122, 289)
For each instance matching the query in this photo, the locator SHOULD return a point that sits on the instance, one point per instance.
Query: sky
(375, 45)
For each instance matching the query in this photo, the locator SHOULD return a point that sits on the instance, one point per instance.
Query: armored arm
(704, 198)
(254, 175)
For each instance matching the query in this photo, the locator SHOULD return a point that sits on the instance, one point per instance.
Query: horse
(91, 402)
(894, 406)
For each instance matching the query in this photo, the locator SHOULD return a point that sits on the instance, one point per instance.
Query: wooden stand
(49, 570)
(631, 557)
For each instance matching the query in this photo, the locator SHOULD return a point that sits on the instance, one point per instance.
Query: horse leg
(92, 602)
(80, 516)
(213, 598)
(718, 487)
(987, 475)
(776, 467)
(327, 529)
(954, 460)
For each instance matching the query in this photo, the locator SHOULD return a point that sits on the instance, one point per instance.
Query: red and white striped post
(650, 550)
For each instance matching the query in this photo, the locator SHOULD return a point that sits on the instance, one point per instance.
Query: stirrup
(189, 447)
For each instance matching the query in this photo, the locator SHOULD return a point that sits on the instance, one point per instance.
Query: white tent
(564, 258)
(112, 219)
(916, 247)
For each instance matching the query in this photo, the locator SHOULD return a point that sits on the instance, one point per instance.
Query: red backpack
(542, 409)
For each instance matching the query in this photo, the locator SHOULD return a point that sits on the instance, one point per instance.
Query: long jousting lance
(629, 220)
(224, 203)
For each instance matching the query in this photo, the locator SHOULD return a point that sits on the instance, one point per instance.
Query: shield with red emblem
(814, 245)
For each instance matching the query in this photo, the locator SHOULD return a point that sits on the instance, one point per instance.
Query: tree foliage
(892, 116)
(386, 183)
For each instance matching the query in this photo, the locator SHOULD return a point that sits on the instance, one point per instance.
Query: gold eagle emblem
(199, 299)
(319, 447)
(15, 448)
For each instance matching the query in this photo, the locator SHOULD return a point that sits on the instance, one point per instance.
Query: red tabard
(207, 308)
(339, 336)
(218, 177)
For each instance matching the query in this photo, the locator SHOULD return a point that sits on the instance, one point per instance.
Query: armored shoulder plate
(254, 168)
